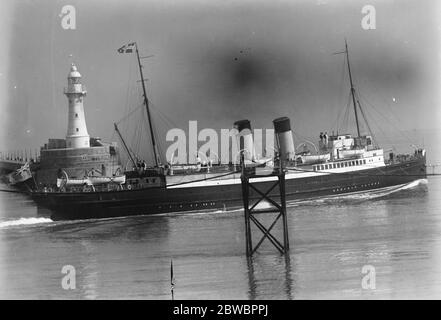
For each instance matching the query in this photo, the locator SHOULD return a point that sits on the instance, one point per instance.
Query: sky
(221, 61)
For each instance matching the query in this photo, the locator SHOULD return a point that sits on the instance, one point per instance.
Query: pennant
(127, 48)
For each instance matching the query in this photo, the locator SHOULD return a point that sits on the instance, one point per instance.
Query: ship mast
(352, 89)
(146, 102)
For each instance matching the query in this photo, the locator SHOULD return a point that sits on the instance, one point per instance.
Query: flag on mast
(128, 48)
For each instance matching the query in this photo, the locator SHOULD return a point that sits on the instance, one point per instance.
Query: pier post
(250, 191)
(251, 212)
(245, 197)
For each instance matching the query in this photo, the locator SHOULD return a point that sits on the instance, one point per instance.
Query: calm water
(398, 233)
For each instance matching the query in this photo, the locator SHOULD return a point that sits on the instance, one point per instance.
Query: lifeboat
(65, 181)
(315, 158)
(353, 153)
(104, 180)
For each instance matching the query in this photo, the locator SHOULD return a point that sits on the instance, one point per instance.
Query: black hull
(161, 200)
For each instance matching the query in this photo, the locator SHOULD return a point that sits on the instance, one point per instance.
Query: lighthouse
(78, 154)
(77, 136)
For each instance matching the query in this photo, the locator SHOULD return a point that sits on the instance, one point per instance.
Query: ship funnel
(245, 138)
(282, 128)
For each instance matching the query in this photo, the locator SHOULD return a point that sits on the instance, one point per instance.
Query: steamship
(81, 177)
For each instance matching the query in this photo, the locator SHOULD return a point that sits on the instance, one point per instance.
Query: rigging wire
(345, 124)
(348, 111)
(376, 123)
(385, 118)
(341, 94)
(366, 120)
(389, 110)
(128, 115)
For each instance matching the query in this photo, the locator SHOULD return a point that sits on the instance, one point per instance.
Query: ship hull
(158, 200)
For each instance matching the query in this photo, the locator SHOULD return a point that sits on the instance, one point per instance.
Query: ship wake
(24, 221)
(365, 195)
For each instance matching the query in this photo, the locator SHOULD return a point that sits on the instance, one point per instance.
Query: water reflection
(269, 277)
(90, 271)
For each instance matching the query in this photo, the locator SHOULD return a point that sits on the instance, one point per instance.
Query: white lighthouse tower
(77, 136)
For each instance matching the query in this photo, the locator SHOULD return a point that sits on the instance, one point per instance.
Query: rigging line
(392, 114)
(375, 122)
(158, 110)
(337, 119)
(162, 133)
(298, 136)
(342, 87)
(162, 150)
(167, 123)
(387, 120)
(139, 128)
(301, 138)
(130, 91)
(129, 114)
(366, 121)
(155, 133)
(130, 150)
(343, 76)
(376, 110)
(345, 123)
(345, 119)
(142, 133)
(158, 144)
(379, 127)
(388, 137)
(136, 135)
